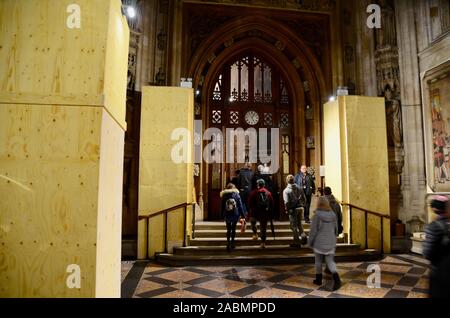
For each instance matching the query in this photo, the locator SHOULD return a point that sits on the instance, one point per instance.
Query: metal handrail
(165, 212)
(366, 213)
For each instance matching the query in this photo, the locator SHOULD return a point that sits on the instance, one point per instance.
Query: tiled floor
(401, 276)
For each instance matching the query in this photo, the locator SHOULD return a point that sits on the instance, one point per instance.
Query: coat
(239, 211)
(293, 197)
(254, 208)
(309, 187)
(322, 236)
(436, 249)
(336, 207)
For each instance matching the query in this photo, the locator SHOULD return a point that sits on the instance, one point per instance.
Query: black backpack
(263, 201)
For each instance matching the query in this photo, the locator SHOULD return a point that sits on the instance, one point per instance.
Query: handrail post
(193, 220)
(382, 235)
(185, 225)
(147, 220)
(165, 232)
(350, 227)
(366, 225)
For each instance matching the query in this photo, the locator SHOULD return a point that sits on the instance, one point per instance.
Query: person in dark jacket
(232, 211)
(322, 239)
(335, 206)
(245, 183)
(436, 248)
(294, 201)
(262, 174)
(261, 209)
(306, 182)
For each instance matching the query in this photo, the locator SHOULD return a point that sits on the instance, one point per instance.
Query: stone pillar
(365, 51)
(62, 123)
(413, 177)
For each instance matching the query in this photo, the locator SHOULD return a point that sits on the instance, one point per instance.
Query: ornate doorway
(229, 53)
(249, 93)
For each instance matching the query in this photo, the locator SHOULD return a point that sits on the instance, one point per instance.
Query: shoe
(255, 237)
(318, 280)
(295, 245)
(308, 221)
(263, 245)
(336, 281)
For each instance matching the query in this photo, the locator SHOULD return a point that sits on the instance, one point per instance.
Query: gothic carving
(348, 54)
(160, 78)
(162, 39)
(280, 46)
(313, 5)
(386, 36)
(229, 42)
(164, 6)
(201, 26)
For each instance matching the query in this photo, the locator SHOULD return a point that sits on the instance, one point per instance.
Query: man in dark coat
(261, 209)
(245, 183)
(306, 182)
(436, 248)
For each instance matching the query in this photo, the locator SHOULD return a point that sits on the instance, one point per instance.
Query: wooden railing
(366, 213)
(164, 213)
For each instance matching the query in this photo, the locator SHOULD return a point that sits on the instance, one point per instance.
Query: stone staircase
(208, 248)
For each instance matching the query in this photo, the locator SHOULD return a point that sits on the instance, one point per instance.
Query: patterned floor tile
(360, 291)
(401, 276)
(395, 293)
(247, 291)
(179, 275)
(204, 291)
(223, 285)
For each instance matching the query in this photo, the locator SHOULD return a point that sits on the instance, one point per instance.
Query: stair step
(256, 250)
(202, 225)
(244, 241)
(247, 233)
(272, 259)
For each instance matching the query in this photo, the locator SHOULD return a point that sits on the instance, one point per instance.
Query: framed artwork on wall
(310, 142)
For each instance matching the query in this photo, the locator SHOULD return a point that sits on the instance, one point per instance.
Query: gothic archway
(292, 59)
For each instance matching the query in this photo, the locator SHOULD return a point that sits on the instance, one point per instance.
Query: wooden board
(162, 182)
(40, 55)
(49, 171)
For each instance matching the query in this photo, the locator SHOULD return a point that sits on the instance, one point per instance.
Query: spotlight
(332, 99)
(129, 11)
(197, 92)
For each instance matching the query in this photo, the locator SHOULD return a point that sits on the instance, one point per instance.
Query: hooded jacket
(322, 236)
(239, 211)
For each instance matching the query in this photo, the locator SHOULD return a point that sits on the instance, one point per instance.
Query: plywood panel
(48, 183)
(162, 182)
(357, 164)
(109, 217)
(41, 58)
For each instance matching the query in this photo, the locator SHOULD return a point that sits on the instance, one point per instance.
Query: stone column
(413, 177)
(365, 51)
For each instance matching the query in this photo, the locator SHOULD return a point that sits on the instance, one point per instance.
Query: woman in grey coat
(322, 239)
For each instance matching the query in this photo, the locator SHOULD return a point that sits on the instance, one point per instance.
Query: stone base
(417, 245)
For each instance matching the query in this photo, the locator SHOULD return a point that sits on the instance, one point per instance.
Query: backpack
(295, 198)
(230, 205)
(263, 201)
